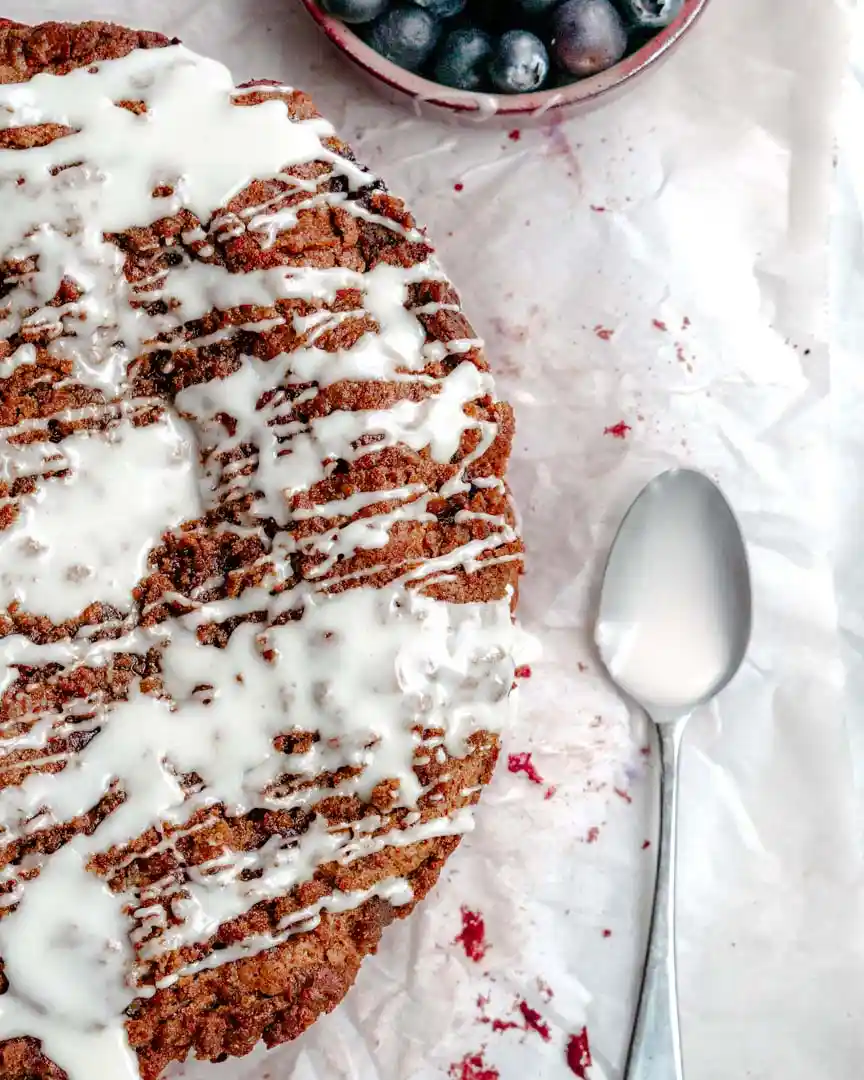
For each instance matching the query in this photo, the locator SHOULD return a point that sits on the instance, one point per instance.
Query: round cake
(258, 559)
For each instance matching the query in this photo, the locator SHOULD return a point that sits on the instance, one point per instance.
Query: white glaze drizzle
(366, 669)
(81, 538)
(24, 354)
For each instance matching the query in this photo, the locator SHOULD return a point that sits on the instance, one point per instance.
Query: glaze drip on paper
(368, 669)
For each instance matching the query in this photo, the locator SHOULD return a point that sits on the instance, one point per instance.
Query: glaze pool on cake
(257, 559)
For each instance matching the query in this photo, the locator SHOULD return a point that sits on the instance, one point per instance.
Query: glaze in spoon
(673, 628)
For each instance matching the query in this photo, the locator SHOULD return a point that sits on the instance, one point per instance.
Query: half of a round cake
(258, 559)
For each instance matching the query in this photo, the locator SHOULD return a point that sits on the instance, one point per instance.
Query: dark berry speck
(463, 59)
(520, 64)
(650, 14)
(442, 9)
(588, 36)
(406, 36)
(355, 11)
(493, 16)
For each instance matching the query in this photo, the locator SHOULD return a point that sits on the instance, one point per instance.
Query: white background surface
(715, 176)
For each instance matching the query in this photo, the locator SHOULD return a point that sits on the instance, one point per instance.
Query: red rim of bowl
(516, 105)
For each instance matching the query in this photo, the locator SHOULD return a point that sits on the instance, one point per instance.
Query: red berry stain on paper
(546, 991)
(592, 835)
(473, 1067)
(515, 135)
(458, 187)
(534, 1021)
(502, 1025)
(496, 1024)
(522, 763)
(598, 209)
(579, 1054)
(523, 672)
(517, 333)
(658, 324)
(603, 332)
(646, 844)
(607, 933)
(531, 1018)
(473, 935)
(622, 794)
(618, 431)
(559, 146)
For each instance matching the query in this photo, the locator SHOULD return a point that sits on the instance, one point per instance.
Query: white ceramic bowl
(580, 96)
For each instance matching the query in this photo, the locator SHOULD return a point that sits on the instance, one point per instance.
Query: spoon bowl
(673, 628)
(675, 612)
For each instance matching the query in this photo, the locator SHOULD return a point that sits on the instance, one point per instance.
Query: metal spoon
(674, 625)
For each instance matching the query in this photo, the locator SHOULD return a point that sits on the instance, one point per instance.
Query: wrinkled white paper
(661, 264)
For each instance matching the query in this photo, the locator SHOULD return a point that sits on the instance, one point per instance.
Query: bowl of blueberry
(513, 59)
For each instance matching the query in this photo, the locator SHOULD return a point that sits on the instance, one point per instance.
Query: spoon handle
(655, 1052)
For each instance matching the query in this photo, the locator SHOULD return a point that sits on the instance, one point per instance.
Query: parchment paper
(659, 269)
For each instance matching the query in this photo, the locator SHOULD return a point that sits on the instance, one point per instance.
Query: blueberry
(445, 9)
(355, 11)
(405, 35)
(587, 36)
(536, 7)
(650, 14)
(463, 59)
(520, 63)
